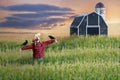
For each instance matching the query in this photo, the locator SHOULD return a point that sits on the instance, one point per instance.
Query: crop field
(72, 58)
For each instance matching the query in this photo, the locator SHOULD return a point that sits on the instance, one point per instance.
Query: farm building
(91, 23)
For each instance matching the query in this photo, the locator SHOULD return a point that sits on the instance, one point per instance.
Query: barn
(91, 23)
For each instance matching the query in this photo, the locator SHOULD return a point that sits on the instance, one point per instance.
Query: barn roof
(78, 19)
(83, 14)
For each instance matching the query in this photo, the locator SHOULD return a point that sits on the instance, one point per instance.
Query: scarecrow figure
(38, 47)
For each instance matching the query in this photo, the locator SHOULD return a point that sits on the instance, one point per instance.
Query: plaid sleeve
(27, 47)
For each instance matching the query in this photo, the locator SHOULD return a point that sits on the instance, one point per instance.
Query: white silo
(100, 9)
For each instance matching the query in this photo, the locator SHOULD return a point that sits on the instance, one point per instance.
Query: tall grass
(74, 58)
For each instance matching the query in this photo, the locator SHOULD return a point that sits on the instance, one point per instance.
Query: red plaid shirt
(38, 48)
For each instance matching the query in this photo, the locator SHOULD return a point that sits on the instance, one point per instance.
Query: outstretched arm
(49, 42)
(27, 47)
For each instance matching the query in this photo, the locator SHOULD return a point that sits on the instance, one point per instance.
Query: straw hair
(37, 36)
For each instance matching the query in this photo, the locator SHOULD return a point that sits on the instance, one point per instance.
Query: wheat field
(72, 58)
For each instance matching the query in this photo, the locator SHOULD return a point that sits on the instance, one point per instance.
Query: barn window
(93, 19)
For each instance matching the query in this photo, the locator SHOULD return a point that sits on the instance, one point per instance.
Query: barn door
(92, 30)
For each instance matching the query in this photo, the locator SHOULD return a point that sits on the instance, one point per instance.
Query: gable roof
(76, 21)
(79, 19)
(83, 14)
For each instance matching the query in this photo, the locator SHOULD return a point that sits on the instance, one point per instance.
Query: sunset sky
(36, 13)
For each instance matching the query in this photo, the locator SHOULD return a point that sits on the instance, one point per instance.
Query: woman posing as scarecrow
(38, 47)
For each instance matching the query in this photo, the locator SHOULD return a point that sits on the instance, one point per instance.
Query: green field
(74, 58)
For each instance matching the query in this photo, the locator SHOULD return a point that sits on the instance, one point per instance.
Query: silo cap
(99, 5)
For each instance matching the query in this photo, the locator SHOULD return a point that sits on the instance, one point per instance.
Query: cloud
(24, 23)
(34, 8)
(41, 14)
(2, 7)
(37, 15)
